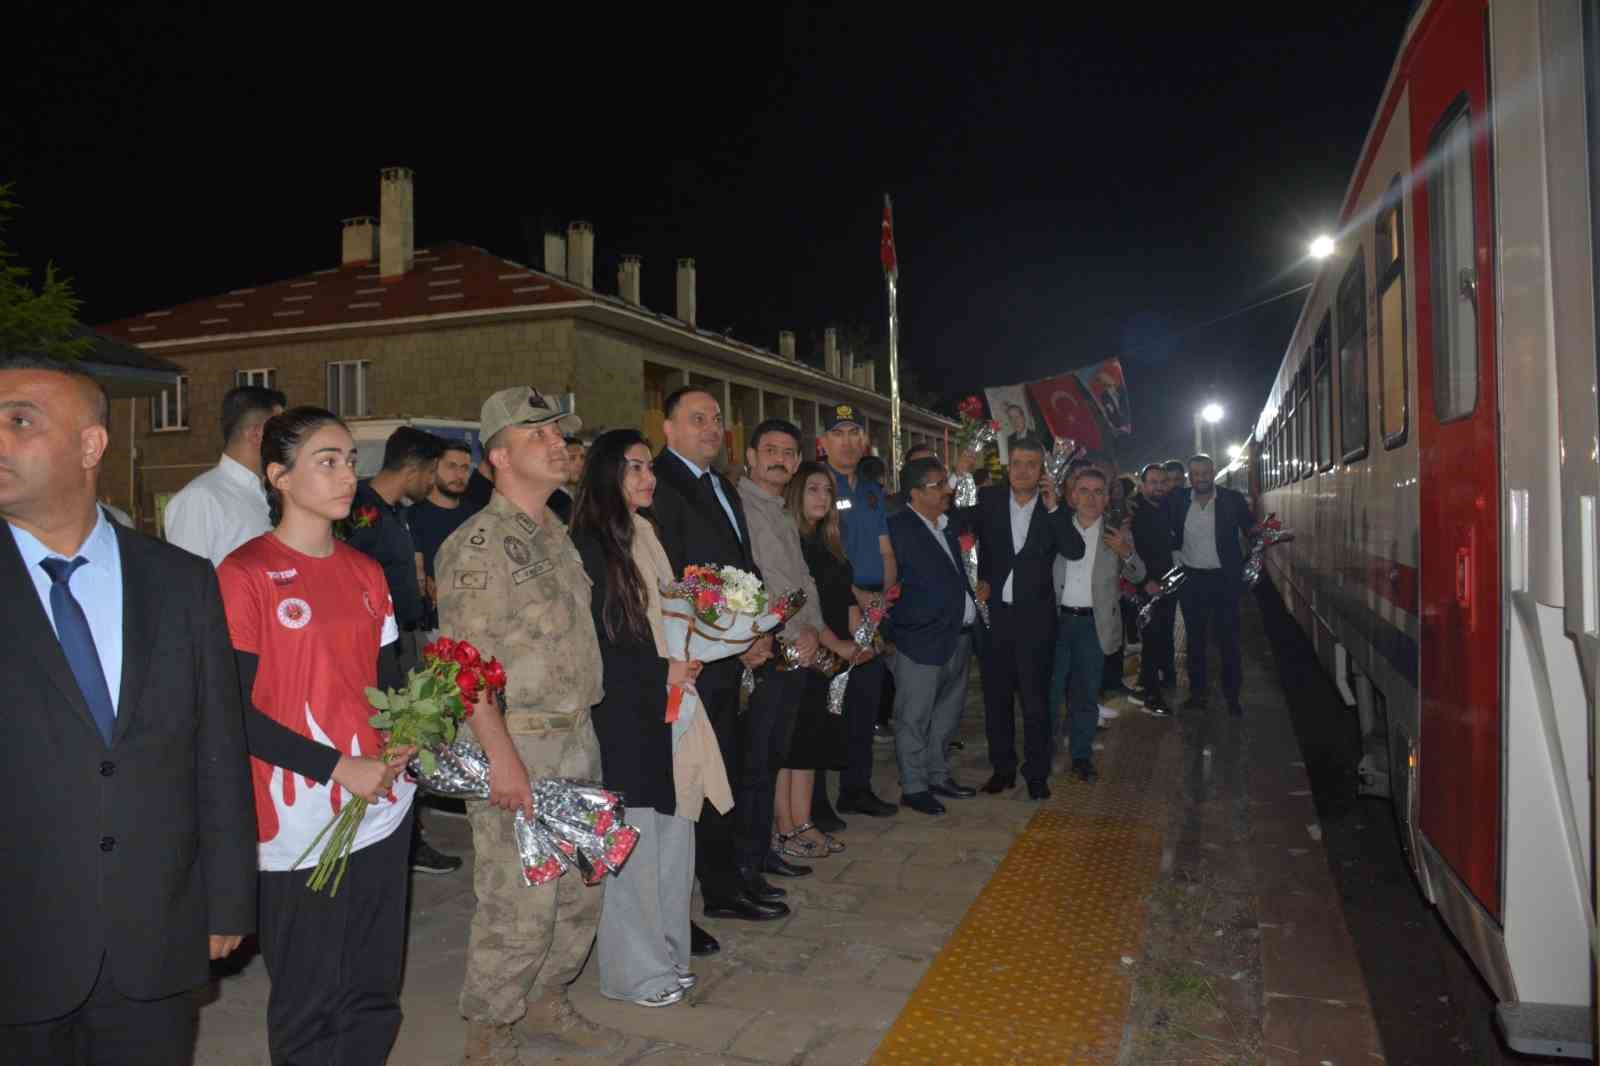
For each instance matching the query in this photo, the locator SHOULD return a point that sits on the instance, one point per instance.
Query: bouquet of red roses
(439, 695)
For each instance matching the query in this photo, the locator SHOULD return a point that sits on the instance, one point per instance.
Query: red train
(1433, 436)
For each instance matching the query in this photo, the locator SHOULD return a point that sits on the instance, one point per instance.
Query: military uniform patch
(517, 551)
(526, 524)
(528, 573)
(472, 579)
(477, 540)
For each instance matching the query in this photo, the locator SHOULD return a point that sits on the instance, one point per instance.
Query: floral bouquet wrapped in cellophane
(715, 612)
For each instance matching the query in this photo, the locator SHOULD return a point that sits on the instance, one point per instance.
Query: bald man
(128, 798)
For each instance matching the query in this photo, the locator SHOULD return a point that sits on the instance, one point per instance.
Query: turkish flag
(1068, 410)
(891, 265)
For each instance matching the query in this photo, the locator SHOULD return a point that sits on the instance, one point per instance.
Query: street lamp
(1211, 413)
(1234, 451)
(1322, 247)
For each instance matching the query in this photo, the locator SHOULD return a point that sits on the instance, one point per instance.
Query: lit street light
(1322, 247)
(1235, 450)
(1212, 412)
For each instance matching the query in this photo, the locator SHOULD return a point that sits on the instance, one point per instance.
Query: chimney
(628, 279)
(686, 299)
(396, 232)
(555, 254)
(580, 254)
(360, 240)
(847, 366)
(830, 351)
(786, 344)
(870, 375)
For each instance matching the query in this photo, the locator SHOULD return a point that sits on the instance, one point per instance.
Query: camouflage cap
(522, 405)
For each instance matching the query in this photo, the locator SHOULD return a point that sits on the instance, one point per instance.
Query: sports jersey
(316, 626)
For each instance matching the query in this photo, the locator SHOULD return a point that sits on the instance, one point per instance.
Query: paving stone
(692, 1023)
(901, 971)
(846, 962)
(849, 1003)
(777, 1038)
(868, 871)
(781, 954)
(844, 1047)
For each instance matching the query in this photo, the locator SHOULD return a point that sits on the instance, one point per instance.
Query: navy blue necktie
(72, 629)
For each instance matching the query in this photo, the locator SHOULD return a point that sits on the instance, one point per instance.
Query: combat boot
(489, 1044)
(553, 1024)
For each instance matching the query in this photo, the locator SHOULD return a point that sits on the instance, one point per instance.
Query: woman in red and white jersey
(312, 626)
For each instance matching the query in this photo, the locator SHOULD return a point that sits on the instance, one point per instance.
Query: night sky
(1067, 187)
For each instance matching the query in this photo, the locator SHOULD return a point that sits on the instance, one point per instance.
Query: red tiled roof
(448, 278)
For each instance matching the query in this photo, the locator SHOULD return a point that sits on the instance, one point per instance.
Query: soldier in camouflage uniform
(511, 582)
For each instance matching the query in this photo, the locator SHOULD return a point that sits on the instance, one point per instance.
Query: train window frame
(1322, 390)
(1352, 321)
(1291, 426)
(1444, 358)
(1389, 260)
(1308, 417)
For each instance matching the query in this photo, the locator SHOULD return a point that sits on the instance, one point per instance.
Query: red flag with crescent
(891, 265)
(1068, 409)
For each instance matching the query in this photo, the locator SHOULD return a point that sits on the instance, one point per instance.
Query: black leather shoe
(951, 790)
(864, 803)
(778, 866)
(758, 887)
(922, 801)
(828, 823)
(1235, 710)
(702, 943)
(958, 745)
(1039, 790)
(1000, 783)
(1084, 770)
(1195, 703)
(743, 908)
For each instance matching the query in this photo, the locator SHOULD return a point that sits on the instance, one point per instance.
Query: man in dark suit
(1020, 531)
(129, 815)
(1210, 526)
(1152, 539)
(932, 625)
(702, 522)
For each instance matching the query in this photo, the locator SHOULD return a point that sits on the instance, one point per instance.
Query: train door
(1459, 779)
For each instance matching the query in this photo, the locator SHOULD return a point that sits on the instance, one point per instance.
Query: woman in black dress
(819, 737)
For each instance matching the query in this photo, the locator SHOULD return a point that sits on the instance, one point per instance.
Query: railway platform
(1178, 910)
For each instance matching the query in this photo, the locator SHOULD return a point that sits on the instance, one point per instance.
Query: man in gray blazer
(1089, 616)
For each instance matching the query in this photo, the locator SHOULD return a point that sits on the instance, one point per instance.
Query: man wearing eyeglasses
(932, 626)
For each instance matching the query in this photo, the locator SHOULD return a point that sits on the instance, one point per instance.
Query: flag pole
(891, 278)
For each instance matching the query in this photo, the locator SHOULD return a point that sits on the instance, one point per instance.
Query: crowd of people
(193, 713)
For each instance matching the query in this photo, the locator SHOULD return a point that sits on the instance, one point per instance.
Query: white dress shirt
(1021, 516)
(1078, 589)
(96, 585)
(1200, 535)
(716, 483)
(970, 611)
(218, 511)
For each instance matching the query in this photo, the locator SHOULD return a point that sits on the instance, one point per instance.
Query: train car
(1433, 437)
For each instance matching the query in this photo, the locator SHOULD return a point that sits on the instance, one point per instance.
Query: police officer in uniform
(511, 582)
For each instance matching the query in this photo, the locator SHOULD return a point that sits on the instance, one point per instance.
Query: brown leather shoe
(491, 1045)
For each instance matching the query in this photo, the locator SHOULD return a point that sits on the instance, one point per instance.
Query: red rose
(467, 682)
(966, 540)
(706, 599)
(711, 577)
(892, 595)
(494, 675)
(619, 845)
(443, 648)
(466, 654)
(603, 820)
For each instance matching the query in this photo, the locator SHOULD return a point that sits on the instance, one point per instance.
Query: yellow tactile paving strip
(1034, 972)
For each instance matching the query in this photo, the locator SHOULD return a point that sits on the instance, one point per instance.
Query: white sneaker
(1108, 713)
(687, 981)
(661, 999)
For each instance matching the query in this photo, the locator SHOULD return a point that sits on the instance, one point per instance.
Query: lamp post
(1211, 414)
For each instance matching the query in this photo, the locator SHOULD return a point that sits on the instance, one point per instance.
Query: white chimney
(580, 254)
(870, 375)
(555, 254)
(830, 351)
(847, 366)
(786, 344)
(628, 279)
(360, 240)
(686, 296)
(396, 233)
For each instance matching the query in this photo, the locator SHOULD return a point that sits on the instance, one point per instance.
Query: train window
(1353, 359)
(1307, 423)
(1454, 284)
(1291, 433)
(1322, 368)
(1391, 262)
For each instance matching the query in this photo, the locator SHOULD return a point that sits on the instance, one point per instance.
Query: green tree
(43, 322)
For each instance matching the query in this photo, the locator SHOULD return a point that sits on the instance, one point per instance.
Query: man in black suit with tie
(1020, 532)
(701, 521)
(128, 818)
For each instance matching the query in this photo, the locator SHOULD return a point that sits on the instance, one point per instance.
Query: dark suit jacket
(694, 530)
(137, 851)
(1234, 521)
(1152, 537)
(1032, 591)
(630, 723)
(925, 623)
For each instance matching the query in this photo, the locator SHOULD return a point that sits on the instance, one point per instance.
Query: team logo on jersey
(282, 577)
(366, 601)
(517, 551)
(294, 613)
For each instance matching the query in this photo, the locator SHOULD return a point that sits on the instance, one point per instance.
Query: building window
(1322, 369)
(1353, 359)
(1393, 400)
(347, 389)
(266, 377)
(1454, 284)
(169, 409)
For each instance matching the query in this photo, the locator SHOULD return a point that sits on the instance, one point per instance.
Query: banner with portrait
(1008, 405)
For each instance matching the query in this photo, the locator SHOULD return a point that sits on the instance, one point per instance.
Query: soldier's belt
(544, 724)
